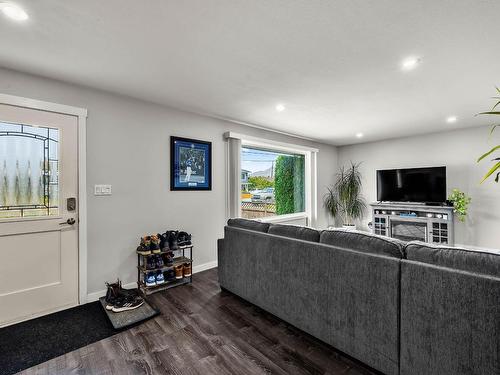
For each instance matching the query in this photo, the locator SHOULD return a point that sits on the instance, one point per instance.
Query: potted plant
(343, 200)
(496, 167)
(460, 203)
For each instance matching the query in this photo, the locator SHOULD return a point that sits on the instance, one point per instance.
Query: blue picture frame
(190, 164)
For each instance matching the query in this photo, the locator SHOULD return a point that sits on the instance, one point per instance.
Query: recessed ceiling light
(280, 107)
(451, 119)
(13, 11)
(359, 135)
(410, 63)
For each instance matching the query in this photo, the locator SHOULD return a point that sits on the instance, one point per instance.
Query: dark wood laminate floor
(203, 330)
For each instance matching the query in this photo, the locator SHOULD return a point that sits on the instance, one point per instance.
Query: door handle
(70, 221)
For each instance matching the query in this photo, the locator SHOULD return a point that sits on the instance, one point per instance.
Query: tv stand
(414, 221)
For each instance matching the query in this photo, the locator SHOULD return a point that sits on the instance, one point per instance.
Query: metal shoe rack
(178, 260)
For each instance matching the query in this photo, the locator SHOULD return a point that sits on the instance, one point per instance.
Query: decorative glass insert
(29, 171)
(409, 231)
(381, 226)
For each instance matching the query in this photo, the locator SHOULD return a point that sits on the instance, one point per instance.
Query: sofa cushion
(363, 241)
(249, 224)
(294, 231)
(470, 260)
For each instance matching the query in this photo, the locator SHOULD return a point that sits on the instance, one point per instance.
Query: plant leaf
(491, 171)
(489, 113)
(496, 178)
(489, 153)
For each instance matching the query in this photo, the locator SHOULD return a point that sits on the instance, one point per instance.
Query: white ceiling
(334, 64)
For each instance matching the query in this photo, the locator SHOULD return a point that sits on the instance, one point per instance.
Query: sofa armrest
(450, 321)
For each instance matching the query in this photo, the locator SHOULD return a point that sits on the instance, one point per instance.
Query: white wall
(458, 151)
(128, 147)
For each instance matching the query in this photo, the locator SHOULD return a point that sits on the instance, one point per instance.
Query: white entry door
(38, 213)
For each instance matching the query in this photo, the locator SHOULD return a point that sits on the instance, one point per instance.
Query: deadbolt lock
(71, 204)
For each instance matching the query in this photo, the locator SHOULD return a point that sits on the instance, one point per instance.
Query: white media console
(407, 222)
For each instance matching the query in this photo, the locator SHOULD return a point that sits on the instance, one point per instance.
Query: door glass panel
(29, 171)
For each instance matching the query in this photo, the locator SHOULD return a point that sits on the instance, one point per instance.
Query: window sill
(284, 218)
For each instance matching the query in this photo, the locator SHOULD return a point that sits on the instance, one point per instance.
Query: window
(273, 183)
(270, 181)
(29, 169)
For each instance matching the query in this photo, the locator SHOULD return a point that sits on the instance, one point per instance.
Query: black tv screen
(426, 185)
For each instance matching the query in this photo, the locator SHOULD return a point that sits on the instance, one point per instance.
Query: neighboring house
(267, 173)
(244, 179)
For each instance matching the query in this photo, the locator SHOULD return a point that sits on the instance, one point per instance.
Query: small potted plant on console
(460, 203)
(343, 200)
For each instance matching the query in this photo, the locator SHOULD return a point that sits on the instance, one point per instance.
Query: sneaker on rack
(159, 261)
(155, 244)
(150, 279)
(151, 263)
(179, 271)
(127, 302)
(184, 240)
(160, 279)
(144, 246)
(169, 275)
(168, 259)
(163, 241)
(172, 239)
(186, 269)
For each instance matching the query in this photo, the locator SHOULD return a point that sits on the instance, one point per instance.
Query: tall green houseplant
(344, 201)
(496, 167)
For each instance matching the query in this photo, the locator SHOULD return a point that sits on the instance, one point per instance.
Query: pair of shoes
(149, 245)
(154, 261)
(119, 299)
(154, 278)
(168, 240)
(169, 275)
(127, 302)
(163, 242)
(184, 240)
(168, 258)
(182, 270)
(173, 239)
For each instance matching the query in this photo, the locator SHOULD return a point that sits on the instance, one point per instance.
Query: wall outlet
(102, 189)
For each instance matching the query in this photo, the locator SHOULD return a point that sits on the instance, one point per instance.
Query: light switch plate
(102, 190)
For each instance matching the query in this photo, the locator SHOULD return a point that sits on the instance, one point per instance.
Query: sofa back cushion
(363, 241)
(470, 260)
(249, 224)
(348, 299)
(294, 231)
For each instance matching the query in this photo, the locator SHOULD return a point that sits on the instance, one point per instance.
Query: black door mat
(125, 319)
(35, 341)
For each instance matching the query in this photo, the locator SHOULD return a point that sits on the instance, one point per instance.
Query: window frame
(310, 176)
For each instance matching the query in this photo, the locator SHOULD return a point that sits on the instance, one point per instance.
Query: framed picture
(190, 164)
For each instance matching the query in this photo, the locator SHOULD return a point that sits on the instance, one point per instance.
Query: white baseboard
(91, 297)
(204, 266)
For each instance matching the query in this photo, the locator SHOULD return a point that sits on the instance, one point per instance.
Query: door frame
(81, 114)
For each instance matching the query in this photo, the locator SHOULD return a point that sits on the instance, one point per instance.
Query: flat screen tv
(423, 185)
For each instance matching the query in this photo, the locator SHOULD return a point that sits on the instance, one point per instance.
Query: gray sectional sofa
(400, 308)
